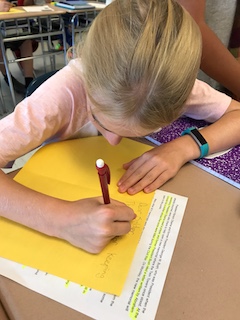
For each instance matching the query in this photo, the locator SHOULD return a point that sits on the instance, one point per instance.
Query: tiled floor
(17, 73)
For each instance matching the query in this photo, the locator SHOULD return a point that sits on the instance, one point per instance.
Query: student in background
(18, 86)
(217, 62)
(234, 43)
(25, 48)
(136, 72)
(67, 23)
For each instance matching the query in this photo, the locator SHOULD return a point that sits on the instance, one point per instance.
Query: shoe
(17, 86)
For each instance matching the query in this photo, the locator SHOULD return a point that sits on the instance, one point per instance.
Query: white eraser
(100, 163)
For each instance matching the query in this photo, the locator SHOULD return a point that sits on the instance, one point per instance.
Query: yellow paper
(12, 10)
(67, 170)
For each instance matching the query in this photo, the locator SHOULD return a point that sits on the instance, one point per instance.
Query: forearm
(87, 223)
(28, 2)
(221, 135)
(28, 207)
(5, 6)
(224, 133)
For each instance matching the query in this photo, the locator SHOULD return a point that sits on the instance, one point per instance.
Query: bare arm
(155, 167)
(5, 6)
(87, 223)
(28, 2)
(216, 61)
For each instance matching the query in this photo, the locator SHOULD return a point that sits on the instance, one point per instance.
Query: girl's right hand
(90, 224)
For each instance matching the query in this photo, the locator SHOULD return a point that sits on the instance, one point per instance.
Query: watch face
(199, 136)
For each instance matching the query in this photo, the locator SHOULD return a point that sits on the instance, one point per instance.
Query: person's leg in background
(18, 86)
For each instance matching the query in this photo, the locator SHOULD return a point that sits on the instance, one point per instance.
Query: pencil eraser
(100, 163)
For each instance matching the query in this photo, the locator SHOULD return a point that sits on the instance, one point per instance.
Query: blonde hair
(140, 60)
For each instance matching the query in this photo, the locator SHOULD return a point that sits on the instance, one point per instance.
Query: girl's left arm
(225, 132)
(152, 169)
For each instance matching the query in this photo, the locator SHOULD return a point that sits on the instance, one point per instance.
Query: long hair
(140, 60)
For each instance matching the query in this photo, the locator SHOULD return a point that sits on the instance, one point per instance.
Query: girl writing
(136, 72)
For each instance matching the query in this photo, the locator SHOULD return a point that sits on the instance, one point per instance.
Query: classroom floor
(17, 73)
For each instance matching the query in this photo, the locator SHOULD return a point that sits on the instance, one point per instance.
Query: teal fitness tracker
(198, 138)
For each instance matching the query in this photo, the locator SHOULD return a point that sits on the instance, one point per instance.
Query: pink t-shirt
(57, 110)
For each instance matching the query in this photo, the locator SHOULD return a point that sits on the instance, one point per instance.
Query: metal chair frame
(31, 28)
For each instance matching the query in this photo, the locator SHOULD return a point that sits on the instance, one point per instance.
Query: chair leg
(51, 57)
(6, 64)
(2, 104)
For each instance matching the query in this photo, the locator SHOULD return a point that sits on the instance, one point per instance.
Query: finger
(151, 186)
(116, 211)
(128, 164)
(163, 178)
(131, 167)
(121, 228)
(97, 244)
(149, 179)
(123, 214)
(134, 176)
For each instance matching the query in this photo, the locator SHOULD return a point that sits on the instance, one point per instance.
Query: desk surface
(98, 6)
(56, 10)
(25, 14)
(203, 281)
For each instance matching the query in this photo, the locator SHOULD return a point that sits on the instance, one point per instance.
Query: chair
(38, 81)
(19, 28)
(2, 105)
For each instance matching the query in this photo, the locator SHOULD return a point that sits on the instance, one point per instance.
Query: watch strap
(199, 139)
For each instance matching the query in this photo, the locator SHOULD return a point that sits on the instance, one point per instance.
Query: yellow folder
(67, 170)
(12, 10)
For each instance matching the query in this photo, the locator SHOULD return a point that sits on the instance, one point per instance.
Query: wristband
(199, 139)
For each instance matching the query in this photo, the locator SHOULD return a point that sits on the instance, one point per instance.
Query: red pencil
(104, 177)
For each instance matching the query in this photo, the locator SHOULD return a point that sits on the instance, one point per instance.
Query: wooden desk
(19, 20)
(203, 281)
(25, 14)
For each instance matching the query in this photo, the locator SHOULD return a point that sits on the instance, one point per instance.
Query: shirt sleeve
(48, 114)
(206, 103)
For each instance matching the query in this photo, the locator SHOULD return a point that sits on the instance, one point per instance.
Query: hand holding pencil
(5, 6)
(90, 224)
(93, 222)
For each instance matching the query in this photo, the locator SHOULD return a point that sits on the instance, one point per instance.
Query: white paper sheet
(37, 8)
(97, 5)
(144, 285)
